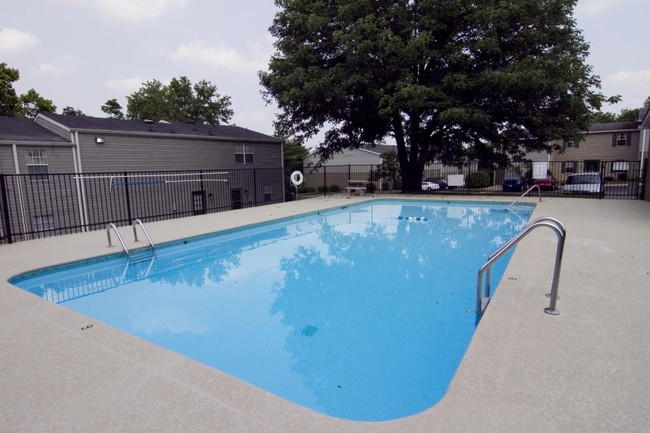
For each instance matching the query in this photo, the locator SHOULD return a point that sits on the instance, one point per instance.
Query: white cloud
(596, 7)
(131, 11)
(633, 86)
(260, 121)
(221, 57)
(62, 67)
(125, 86)
(13, 40)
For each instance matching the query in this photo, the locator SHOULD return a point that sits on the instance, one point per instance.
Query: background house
(351, 164)
(613, 149)
(81, 172)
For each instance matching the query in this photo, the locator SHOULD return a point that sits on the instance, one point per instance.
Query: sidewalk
(586, 370)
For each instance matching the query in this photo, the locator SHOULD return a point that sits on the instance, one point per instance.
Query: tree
(71, 111)
(113, 109)
(388, 169)
(294, 153)
(181, 101)
(435, 76)
(626, 114)
(31, 103)
(9, 101)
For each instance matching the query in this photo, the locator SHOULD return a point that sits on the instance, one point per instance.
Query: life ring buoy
(297, 178)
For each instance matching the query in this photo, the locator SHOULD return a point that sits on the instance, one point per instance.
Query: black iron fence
(34, 206)
(616, 179)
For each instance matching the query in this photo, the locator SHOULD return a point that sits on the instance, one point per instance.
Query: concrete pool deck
(586, 370)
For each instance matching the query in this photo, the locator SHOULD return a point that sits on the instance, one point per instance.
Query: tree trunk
(411, 177)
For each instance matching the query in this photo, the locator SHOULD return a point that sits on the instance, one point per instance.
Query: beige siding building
(613, 149)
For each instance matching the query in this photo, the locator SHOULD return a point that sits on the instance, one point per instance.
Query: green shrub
(322, 188)
(479, 179)
(334, 188)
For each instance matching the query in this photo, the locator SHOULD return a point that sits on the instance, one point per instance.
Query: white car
(590, 183)
(430, 186)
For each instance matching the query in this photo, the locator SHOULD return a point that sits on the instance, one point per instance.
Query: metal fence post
(325, 180)
(128, 198)
(6, 221)
(255, 186)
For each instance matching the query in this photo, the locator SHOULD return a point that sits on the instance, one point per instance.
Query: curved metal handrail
(119, 237)
(539, 190)
(483, 298)
(136, 223)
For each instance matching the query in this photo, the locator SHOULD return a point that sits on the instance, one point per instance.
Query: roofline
(645, 122)
(609, 131)
(37, 143)
(173, 135)
(271, 140)
(370, 151)
(54, 122)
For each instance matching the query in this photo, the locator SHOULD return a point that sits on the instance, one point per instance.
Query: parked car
(590, 183)
(441, 183)
(429, 186)
(546, 184)
(515, 183)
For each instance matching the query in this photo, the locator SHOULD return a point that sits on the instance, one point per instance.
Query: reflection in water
(362, 313)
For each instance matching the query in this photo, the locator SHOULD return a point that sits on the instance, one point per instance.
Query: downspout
(83, 207)
(20, 190)
(78, 182)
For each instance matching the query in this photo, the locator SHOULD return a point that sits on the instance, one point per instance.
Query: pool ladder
(483, 297)
(112, 227)
(539, 191)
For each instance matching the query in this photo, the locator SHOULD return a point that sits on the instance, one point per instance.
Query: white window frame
(244, 154)
(37, 164)
(621, 139)
(620, 166)
(569, 166)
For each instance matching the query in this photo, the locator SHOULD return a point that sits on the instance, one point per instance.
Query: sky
(81, 53)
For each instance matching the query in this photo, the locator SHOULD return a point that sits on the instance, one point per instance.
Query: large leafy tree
(9, 100)
(71, 111)
(113, 109)
(179, 100)
(26, 105)
(436, 76)
(32, 103)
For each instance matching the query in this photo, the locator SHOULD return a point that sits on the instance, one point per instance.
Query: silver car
(590, 183)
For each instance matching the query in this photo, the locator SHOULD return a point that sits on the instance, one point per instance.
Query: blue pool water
(362, 313)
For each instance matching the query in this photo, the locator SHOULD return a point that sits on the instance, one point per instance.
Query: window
(619, 166)
(620, 139)
(36, 161)
(568, 167)
(570, 144)
(244, 154)
(41, 223)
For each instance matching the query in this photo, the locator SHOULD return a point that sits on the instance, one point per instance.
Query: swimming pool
(361, 313)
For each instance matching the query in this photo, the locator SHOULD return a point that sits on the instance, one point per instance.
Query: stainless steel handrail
(483, 298)
(524, 194)
(119, 237)
(136, 223)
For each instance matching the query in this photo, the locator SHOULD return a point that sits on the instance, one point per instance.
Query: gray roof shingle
(23, 129)
(173, 127)
(614, 126)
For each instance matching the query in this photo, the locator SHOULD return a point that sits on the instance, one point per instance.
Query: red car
(546, 184)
